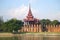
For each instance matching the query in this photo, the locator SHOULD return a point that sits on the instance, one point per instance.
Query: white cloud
(18, 12)
(21, 12)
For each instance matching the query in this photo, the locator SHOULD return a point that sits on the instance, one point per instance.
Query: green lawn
(40, 33)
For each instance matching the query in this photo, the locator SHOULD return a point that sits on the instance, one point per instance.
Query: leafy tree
(45, 21)
(11, 25)
(48, 21)
(1, 22)
(55, 22)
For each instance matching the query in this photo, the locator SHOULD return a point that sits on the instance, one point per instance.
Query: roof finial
(29, 6)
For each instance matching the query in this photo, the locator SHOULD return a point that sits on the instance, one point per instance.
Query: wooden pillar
(37, 27)
(32, 28)
(29, 28)
(49, 26)
(40, 30)
(54, 28)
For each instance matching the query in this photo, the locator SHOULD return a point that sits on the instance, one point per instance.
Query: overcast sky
(41, 9)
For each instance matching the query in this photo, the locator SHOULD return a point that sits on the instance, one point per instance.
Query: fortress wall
(53, 28)
(37, 28)
(31, 28)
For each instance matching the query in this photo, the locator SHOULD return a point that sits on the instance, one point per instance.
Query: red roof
(30, 17)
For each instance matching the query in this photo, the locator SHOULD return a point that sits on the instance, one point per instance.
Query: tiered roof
(30, 17)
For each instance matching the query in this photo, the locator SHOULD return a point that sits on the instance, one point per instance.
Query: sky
(41, 9)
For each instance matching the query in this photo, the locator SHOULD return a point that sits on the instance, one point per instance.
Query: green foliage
(11, 25)
(1, 22)
(49, 22)
(45, 21)
(55, 22)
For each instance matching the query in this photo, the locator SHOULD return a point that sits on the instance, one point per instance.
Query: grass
(40, 33)
(34, 32)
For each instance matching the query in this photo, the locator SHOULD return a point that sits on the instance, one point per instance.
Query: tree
(1, 22)
(55, 22)
(11, 25)
(48, 22)
(45, 21)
